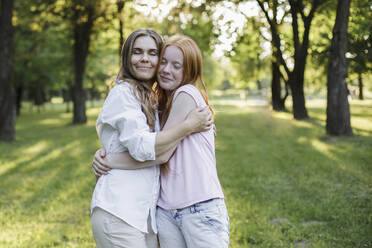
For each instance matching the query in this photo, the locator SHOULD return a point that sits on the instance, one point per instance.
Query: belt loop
(192, 209)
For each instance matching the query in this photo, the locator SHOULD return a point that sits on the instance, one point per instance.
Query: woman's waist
(130, 178)
(192, 163)
(189, 185)
(187, 201)
(128, 187)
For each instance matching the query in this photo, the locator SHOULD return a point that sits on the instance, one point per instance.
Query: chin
(145, 77)
(164, 86)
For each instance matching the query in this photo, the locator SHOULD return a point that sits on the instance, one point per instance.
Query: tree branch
(294, 11)
(301, 10)
(275, 39)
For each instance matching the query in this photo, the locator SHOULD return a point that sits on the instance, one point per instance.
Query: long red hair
(192, 73)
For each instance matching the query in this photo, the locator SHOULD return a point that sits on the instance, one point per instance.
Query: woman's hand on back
(99, 164)
(200, 119)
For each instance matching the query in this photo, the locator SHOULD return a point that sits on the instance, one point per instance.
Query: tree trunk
(360, 82)
(296, 76)
(298, 98)
(120, 4)
(276, 89)
(338, 110)
(296, 82)
(278, 102)
(7, 95)
(82, 32)
(19, 95)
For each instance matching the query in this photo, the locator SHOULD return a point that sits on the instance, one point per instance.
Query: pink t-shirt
(192, 175)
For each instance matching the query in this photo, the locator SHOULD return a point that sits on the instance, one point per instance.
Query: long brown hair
(142, 90)
(192, 72)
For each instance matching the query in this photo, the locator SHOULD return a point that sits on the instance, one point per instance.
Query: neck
(147, 83)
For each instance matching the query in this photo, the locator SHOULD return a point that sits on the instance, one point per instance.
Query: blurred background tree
(70, 50)
(7, 107)
(338, 108)
(359, 54)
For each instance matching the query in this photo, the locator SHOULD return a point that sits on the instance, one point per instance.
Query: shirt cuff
(144, 147)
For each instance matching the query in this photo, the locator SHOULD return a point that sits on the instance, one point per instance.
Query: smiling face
(170, 73)
(144, 58)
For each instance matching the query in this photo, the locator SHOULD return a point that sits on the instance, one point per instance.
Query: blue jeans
(202, 225)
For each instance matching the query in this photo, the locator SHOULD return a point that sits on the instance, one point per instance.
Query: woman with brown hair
(124, 201)
(191, 209)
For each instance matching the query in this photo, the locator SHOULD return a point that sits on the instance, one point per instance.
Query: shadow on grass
(50, 183)
(279, 168)
(270, 166)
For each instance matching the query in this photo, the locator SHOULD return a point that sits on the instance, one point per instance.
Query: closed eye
(137, 51)
(177, 66)
(154, 52)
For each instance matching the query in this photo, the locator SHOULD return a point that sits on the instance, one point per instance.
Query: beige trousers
(111, 232)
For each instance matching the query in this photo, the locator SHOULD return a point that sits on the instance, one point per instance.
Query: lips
(165, 78)
(143, 67)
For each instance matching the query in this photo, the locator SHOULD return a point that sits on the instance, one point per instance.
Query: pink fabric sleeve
(193, 92)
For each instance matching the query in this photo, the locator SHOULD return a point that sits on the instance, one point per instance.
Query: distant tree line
(69, 48)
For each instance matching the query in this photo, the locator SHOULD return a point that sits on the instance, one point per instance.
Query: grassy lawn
(286, 183)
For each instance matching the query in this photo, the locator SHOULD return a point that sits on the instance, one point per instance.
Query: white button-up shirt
(130, 195)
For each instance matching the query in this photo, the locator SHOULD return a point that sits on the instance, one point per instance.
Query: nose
(145, 57)
(165, 68)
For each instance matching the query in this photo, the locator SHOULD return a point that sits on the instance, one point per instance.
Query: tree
(41, 51)
(82, 20)
(7, 106)
(360, 41)
(247, 55)
(278, 101)
(120, 4)
(295, 76)
(82, 15)
(338, 110)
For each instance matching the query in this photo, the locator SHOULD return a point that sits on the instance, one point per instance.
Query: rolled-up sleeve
(123, 112)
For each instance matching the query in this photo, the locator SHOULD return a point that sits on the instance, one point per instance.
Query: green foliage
(213, 72)
(44, 41)
(360, 38)
(247, 56)
(320, 39)
(41, 56)
(359, 43)
(283, 181)
(102, 70)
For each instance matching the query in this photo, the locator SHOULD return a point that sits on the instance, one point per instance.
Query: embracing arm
(178, 126)
(184, 119)
(165, 143)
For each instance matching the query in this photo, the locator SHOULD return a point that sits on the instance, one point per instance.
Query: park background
(291, 174)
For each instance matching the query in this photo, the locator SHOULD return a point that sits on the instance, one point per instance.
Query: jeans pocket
(215, 219)
(218, 222)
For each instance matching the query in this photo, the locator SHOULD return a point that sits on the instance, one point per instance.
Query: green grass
(285, 182)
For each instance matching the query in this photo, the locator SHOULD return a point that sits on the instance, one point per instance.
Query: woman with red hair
(191, 209)
(124, 202)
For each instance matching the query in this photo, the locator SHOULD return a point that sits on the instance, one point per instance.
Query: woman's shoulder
(192, 91)
(122, 89)
(121, 95)
(123, 86)
(188, 88)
